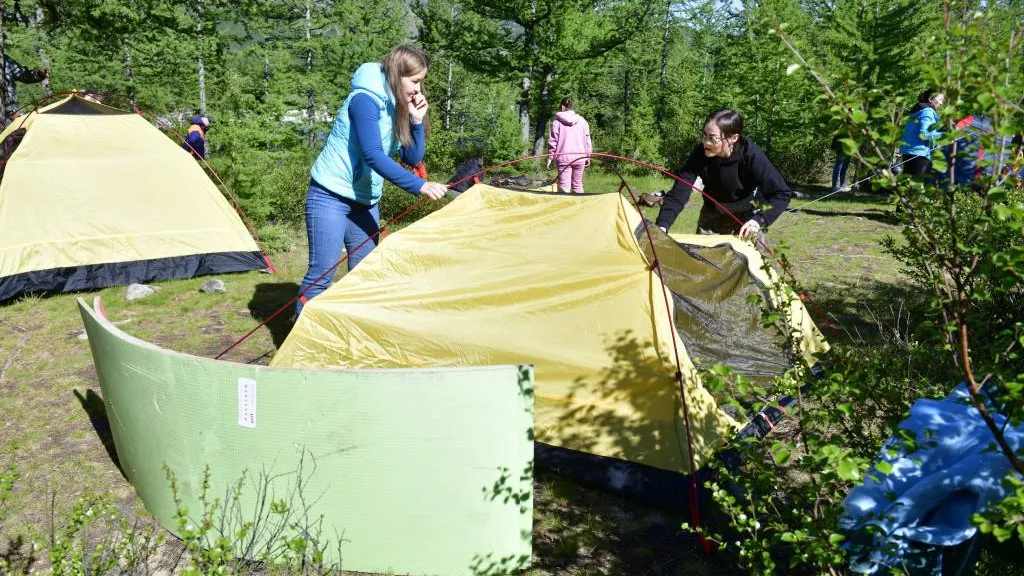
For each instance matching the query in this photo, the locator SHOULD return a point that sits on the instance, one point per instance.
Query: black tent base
(96, 276)
(647, 484)
(654, 486)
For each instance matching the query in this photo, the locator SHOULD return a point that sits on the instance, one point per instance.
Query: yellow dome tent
(94, 196)
(565, 283)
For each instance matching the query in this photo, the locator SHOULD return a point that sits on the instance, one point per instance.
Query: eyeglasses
(711, 138)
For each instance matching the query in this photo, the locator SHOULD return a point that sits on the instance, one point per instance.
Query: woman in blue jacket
(384, 114)
(921, 133)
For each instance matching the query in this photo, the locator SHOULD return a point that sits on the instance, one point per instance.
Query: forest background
(272, 73)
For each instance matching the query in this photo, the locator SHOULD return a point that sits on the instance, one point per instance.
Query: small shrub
(277, 238)
(965, 252)
(270, 186)
(97, 539)
(395, 202)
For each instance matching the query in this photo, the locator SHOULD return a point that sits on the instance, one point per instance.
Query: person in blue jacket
(384, 114)
(195, 138)
(921, 132)
(981, 154)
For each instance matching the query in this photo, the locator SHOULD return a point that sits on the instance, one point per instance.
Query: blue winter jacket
(352, 169)
(195, 142)
(920, 134)
(973, 159)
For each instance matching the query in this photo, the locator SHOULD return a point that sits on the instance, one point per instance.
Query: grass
(61, 446)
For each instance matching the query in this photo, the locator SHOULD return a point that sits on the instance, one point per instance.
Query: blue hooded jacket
(973, 159)
(343, 167)
(919, 135)
(195, 138)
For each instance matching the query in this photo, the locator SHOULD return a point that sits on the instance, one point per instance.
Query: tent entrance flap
(718, 305)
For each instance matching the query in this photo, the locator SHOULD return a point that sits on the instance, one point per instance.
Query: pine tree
(531, 43)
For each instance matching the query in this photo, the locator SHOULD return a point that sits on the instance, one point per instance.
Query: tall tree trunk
(200, 18)
(42, 54)
(627, 98)
(448, 96)
(266, 78)
(450, 87)
(872, 42)
(544, 105)
(705, 69)
(310, 101)
(771, 112)
(264, 96)
(524, 99)
(524, 112)
(3, 73)
(861, 53)
(202, 87)
(129, 73)
(666, 36)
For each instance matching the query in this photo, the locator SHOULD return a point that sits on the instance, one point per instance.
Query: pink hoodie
(570, 137)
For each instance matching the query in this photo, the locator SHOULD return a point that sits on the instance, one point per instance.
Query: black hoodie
(730, 181)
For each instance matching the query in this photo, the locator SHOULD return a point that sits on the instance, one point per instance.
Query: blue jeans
(839, 171)
(330, 222)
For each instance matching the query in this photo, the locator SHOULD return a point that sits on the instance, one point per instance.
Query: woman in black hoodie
(736, 173)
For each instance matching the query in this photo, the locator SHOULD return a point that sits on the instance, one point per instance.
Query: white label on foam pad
(247, 402)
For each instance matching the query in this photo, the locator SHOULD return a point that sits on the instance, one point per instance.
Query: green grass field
(54, 434)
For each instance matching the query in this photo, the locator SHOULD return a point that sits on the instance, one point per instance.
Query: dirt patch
(580, 530)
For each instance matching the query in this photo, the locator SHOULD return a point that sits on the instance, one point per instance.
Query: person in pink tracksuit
(569, 147)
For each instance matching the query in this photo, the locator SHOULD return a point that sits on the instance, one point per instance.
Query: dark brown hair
(926, 96)
(728, 121)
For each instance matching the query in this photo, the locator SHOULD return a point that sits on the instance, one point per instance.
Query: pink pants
(573, 171)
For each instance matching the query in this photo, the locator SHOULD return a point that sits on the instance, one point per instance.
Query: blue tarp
(937, 483)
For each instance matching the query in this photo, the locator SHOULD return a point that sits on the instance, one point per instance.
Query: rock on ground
(213, 285)
(136, 291)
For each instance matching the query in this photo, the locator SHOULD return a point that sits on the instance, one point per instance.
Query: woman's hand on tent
(433, 190)
(418, 108)
(750, 230)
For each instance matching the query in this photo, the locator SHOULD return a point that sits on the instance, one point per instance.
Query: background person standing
(569, 146)
(195, 138)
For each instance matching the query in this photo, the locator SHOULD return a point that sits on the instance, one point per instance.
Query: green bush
(96, 538)
(964, 250)
(396, 201)
(277, 238)
(442, 155)
(270, 186)
(795, 480)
